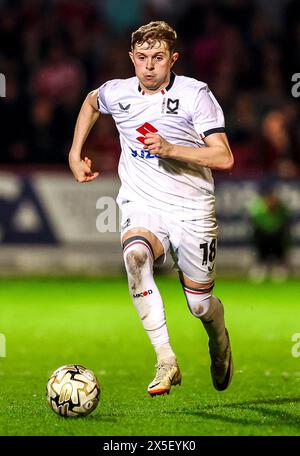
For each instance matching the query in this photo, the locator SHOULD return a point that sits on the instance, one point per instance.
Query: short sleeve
(208, 116)
(102, 98)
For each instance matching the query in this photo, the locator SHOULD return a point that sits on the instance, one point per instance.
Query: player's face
(153, 65)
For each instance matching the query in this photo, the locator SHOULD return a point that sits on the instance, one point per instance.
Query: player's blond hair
(153, 32)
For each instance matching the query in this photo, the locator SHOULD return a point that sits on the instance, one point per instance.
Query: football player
(172, 135)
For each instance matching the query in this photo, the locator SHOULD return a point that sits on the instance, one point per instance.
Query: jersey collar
(165, 89)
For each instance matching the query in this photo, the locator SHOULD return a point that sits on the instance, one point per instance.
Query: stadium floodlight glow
(2, 85)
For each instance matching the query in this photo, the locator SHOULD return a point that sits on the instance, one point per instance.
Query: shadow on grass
(264, 408)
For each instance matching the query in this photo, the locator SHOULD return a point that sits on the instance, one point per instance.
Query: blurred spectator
(58, 76)
(206, 50)
(270, 223)
(41, 139)
(14, 123)
(123, 16)
(278, 146)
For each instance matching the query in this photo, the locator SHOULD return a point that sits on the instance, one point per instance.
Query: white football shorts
(191, 241)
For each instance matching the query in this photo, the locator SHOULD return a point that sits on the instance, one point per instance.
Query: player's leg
(196, 263)
(209, 309)
(141, 247)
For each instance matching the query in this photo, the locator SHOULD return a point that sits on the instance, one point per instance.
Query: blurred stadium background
(53, 52)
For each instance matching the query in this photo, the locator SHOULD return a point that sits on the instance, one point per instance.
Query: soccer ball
(73, 390)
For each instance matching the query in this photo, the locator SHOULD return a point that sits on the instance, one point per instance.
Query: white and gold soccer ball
(73, 390)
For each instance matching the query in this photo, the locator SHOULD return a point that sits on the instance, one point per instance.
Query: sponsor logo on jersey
(143, 294)
(142, 153)
(124, 108)
(126, 224)
(144, 129)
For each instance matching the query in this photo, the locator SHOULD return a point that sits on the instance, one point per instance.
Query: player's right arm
(89, 113)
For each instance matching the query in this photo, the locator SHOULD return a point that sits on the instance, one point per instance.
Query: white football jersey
(183, 113)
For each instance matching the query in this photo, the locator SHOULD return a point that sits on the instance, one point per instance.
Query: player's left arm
(217, 154)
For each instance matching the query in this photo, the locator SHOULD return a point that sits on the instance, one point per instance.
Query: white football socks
(209, 309)
(146, 297)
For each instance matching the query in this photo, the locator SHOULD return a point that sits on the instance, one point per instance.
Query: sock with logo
(138, 258)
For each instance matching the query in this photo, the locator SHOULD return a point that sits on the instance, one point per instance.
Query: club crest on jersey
(124, 108)
(172, 106)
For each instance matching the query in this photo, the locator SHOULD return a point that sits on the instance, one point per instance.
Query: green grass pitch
(51, 322)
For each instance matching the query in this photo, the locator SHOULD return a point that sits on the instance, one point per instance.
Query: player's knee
(207, 308)
(135, 260)
(200, 308)
(199, 299)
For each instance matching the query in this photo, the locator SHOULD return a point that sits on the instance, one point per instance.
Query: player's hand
(82, 170)
(158, 145)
